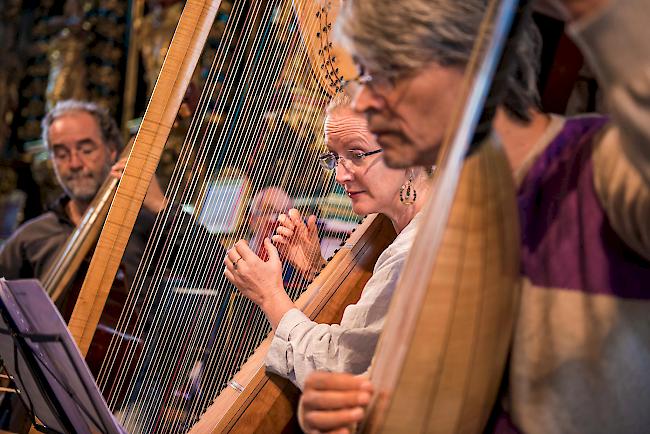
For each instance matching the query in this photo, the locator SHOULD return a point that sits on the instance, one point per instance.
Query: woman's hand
(298, 243)
(259, 281)
(333, 402)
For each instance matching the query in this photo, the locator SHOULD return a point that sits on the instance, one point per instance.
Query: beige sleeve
(615, 43)
(622, 191)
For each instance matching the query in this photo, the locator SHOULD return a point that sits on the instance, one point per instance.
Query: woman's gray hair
(108, 128)
(339, 101)
(394, 38)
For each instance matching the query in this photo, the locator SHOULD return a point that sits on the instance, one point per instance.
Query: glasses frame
(322, 159)
(377, 84)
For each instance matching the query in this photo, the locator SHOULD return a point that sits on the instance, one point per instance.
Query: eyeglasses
(379, 85)
(330, 160)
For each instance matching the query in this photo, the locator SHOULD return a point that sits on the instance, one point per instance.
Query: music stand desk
(51, 376)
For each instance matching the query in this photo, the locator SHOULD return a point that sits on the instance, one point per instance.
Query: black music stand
(51, 376)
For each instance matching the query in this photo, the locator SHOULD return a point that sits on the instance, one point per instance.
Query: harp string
(214, 307)
(257, 316)
(145, 264)
(172, 193)
(163, 341)
(164, 216)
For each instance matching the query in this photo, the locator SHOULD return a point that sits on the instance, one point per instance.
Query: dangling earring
(407, 193)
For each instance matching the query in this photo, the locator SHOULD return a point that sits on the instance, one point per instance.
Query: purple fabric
(501, 424)
(567, 241)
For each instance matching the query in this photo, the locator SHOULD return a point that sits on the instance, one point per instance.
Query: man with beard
(84, 143)
(580, 353)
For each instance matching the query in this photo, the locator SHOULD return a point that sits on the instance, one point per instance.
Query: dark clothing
(30, 251)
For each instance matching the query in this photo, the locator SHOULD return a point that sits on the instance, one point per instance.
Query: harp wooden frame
(177, 69)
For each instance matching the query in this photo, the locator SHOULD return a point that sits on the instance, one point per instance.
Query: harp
(191, 330)
(442, 353)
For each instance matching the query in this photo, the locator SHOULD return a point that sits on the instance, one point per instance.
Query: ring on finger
(234, 264)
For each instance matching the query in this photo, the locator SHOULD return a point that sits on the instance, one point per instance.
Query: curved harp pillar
(456, 346)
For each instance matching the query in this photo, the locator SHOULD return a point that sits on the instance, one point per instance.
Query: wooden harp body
(440, 360)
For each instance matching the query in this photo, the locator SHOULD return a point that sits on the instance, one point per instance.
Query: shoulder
(33, 232)
(567, 152)
(576, 135)
(396, 253)
(43, 226)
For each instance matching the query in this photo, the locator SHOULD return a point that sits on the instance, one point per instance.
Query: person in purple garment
(581, 350)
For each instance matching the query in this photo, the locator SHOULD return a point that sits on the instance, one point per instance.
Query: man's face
(81, 158)
(265, 208)
(409, 117)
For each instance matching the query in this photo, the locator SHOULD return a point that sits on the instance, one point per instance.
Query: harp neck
(329, 62)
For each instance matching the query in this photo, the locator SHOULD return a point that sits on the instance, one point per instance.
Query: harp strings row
(190, 329)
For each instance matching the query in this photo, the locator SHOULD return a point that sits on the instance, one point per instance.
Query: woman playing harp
(300, 345)
(580, 353)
